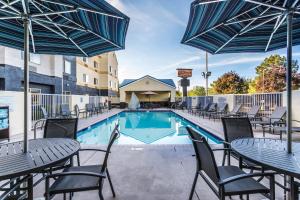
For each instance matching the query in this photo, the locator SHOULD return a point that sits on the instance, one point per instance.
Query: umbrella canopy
(235, 26)
(241, 25)
(65, 27)
(149, 93)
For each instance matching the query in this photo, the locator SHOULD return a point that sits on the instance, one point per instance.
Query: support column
(289, 82)
(26, 80)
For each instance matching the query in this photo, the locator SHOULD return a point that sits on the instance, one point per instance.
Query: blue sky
(153, 44)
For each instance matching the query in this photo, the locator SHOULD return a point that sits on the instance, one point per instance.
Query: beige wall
(148, 84)
(102, 72)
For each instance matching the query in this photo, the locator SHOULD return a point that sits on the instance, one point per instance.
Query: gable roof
(168, 82)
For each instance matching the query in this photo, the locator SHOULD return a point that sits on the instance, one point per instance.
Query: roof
(168, 82)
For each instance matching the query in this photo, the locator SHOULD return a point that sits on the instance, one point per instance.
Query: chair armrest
(243, 176)
(101, 150)
(75, 174)
(35, 126)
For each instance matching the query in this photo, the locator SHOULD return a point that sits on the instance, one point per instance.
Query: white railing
(267, 101)
(51, 103)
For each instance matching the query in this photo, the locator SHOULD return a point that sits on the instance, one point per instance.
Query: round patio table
(271, 154)
(42, 154)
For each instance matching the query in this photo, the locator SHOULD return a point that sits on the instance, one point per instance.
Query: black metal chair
(65, 111)
(229, 180)
(82, 178)
(235, 128)
(221, 110)
(212, 108)
(233, 113)
(89, 109)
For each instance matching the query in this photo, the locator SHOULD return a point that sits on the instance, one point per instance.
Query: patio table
(42, 154)
(271, 154)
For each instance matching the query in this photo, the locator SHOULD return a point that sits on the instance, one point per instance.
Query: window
(110, 69)
(2, 84)
(110, 84)
(116, 85)
(85, 78)
(95, 81)
(115, 72)
(96, 65)
(34, 58)
(85, 59)
(67, 67)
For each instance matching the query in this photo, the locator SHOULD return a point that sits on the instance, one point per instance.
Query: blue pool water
(143, 128)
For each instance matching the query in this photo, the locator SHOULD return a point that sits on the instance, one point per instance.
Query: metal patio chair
(252, 114)
(236, 128)
(65, 111)
(89, 109)
(233, 113)
(225, 180)
(82, 178)
(275, 119)
(79, 111)
(202, 109)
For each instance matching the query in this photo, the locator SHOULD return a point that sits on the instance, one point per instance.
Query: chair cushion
(76, 182)
(243, 186)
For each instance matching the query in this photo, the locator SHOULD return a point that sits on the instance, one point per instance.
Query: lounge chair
(233, 113)
(225, 180)
(235, 128)
(212, 108)
(82, 178)
(282, 129)
(221, 110)
(202, 109)
(194, 109)
(89, 109)
(252, 113)
(275, 119)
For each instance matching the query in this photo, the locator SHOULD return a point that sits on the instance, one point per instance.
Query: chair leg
(100, 191)
(193, 187)
(272, 188)
(224, 158)
(110, 183)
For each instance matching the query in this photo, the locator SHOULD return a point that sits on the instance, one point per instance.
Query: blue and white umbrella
(236, 26)
(62, 27)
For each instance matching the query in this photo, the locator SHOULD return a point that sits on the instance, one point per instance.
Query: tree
(197, 91)
(230, 83)
(178, 93)
(270, 74)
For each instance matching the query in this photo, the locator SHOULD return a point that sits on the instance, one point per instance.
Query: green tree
(270, 74)
(178, 93)
(230, 83)
(197, 91)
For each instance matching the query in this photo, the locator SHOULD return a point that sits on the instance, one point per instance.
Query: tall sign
(184, 82)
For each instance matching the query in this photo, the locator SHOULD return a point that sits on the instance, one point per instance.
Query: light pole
(206, 75)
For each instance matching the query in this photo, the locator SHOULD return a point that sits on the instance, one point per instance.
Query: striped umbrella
(235, 26)
(65, 27)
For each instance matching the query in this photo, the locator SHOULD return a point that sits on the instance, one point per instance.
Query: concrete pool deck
(153, 172)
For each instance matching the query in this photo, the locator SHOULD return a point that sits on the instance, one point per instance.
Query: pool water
(143, 128)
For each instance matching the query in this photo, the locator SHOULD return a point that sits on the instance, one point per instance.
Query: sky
(153, 45)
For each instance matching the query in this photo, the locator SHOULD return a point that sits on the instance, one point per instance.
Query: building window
(34, 58)
(96, 65)
(110, 84)
(110, 69)
(85, 59)
(2, 84)
(95, 81)
(85, 78)
(115, 72)
(67, 67)
(116, 85)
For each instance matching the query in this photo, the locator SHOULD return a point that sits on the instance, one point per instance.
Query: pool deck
(153, 172)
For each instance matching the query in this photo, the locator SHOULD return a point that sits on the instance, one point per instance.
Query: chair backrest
(198, 106)
(114, 135)
(236, 127)
(65, 110)
(204, 155)
(212, 107)
(253, 111)
(89, 107)
(222, 107)
(206, 106)
(61, 128)
(44, 112)
(236, 108)
(278, 113)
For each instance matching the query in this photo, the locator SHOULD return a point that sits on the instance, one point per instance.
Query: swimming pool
(154, 127)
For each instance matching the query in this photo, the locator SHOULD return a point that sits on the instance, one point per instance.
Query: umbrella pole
(26, 81)
(289, 82)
